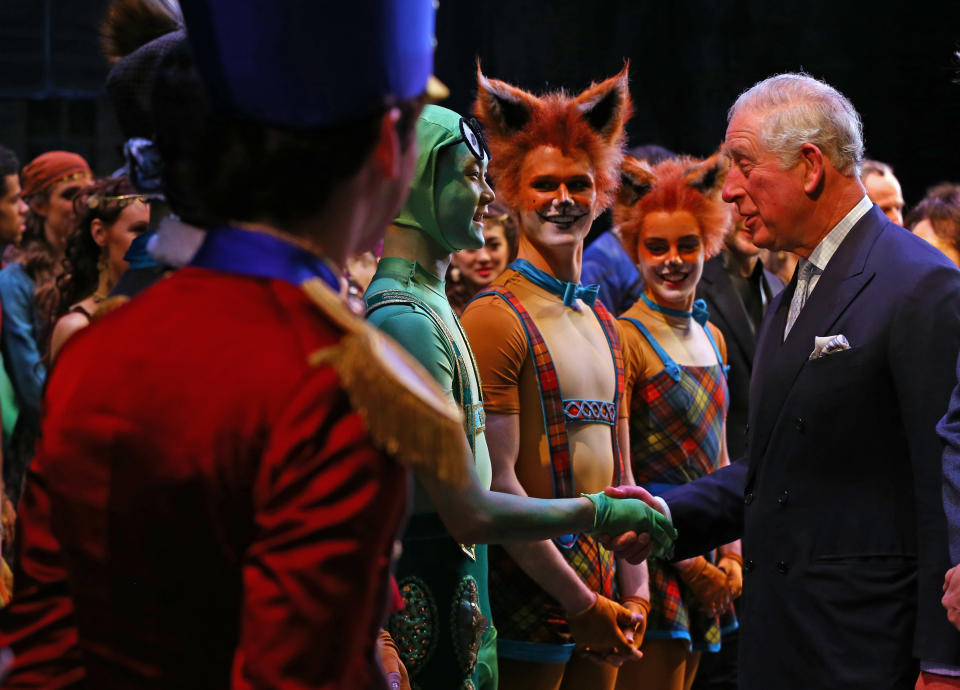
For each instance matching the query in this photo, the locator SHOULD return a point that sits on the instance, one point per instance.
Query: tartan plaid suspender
(610, 330)
(551, 398)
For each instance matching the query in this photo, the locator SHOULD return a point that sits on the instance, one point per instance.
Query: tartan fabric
(523, 611)
(676, 427)
(551, 398)
(610, 329)
(676, 430)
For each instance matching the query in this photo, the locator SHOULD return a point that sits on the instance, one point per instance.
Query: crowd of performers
(271, 390)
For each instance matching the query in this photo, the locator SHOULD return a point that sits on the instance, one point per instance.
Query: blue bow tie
(700, 313)
(569, 292)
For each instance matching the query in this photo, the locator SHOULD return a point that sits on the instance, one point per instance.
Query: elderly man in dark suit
(844, 535)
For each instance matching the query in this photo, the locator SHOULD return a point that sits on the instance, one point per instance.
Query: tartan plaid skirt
(523, 611)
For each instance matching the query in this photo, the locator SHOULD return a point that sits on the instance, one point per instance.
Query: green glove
(618, 515)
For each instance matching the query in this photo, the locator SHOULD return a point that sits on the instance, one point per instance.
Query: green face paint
(460, 187)
(449, 184)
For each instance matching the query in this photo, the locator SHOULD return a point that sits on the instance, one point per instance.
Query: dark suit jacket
(728, 313)
(844, 535)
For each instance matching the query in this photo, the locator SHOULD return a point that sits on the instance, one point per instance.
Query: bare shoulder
(65, 328)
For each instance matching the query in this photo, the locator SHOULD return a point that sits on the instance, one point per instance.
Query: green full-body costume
(444, 632)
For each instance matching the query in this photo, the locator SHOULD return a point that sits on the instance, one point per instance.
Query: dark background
(689, 59)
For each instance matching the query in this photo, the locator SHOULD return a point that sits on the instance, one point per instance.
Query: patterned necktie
(799, 295)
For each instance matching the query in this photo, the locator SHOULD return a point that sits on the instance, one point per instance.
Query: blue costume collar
(700, 314)
(258, 255)
(569, 292)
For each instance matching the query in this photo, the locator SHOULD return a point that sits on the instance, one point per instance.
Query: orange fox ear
(503, 109)
(637, 178)
(708, 176)
(607, 106)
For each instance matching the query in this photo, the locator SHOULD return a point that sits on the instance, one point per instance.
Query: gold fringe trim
(405, 411)
(108, 305)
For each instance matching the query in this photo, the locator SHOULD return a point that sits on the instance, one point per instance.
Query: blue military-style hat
(299, 64)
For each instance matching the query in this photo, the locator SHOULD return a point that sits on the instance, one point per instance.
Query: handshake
(632, 514)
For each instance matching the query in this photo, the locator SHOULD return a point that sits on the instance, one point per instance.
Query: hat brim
(436, 90)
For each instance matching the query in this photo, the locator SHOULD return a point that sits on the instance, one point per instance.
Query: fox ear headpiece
(676, 184)
(517, 122)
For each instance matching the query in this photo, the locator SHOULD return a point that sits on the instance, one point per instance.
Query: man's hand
(607, 631)
(615, 516)
(951, 596)
(708, 583)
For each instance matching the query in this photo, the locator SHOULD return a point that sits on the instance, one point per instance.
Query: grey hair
(870, 167)
(799, 109)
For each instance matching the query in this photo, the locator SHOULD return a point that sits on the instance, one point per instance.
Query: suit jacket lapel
(779, 363)
(729, 305)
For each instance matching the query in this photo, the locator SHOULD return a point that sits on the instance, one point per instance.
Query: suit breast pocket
(847, 366)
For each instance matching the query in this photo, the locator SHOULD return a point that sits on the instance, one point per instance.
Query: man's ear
(606, 106)
(708, 176)
(636, 178)
(386, 153)
(813, 162)
(98, 231)
(503, 109)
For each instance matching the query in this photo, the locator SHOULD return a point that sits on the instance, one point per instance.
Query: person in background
(110, 215)
(780, 263)
(671, 218)
(883, 188)
(12, 213)
(13, 210)
(471, 270)
(936, 219)
(50, 182)
(606, 263)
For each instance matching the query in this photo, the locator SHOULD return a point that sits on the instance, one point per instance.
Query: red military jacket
(209, 506)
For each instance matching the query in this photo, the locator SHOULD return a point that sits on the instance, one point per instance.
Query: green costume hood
(437, 129)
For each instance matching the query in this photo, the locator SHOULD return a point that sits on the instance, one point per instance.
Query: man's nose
(563, 195)
(732, 187)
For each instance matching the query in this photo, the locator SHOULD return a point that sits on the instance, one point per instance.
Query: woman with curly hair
(110, 214)
(671, 219)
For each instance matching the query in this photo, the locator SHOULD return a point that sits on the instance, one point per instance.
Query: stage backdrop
(688, 59)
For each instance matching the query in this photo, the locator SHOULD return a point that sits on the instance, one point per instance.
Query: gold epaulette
(108, 305)
(404, 409)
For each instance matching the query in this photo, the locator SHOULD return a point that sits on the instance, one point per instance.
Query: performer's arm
(540, 560)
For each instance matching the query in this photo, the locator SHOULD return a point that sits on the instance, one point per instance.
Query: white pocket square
(828, 344)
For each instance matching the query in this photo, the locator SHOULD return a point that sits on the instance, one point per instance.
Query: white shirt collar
(828, 246)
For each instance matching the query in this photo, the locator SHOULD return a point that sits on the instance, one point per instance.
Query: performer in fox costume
(552, 373)
(672, 218)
